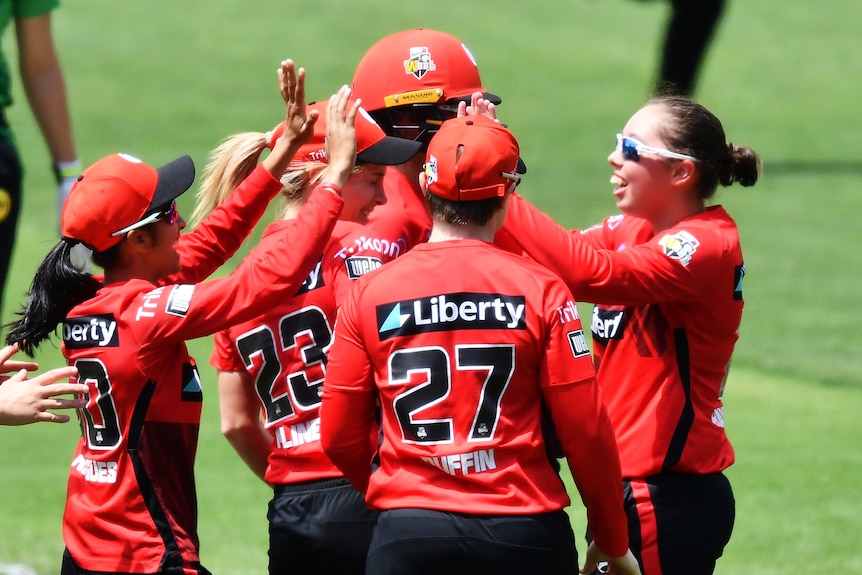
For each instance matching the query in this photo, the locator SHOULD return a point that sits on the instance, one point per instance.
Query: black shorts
(422, 541)
(319, 527)
(679, 523)
(69, 567)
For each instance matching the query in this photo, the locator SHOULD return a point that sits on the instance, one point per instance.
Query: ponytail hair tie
(269, 142)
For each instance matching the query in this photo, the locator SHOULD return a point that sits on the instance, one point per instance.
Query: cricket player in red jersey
(461, 354)
(131, 505)
(666, 278)
(411, 82)
(274, 364)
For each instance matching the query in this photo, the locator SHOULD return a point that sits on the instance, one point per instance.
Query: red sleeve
(218, 237)
(349, 400)
(257, 284)
(637, 275)
(582, 424)
(587, 439)
(224, 355)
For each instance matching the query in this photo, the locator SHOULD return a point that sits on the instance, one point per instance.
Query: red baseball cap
(373, 146)
(472, 158)
(119, 191)
(417, 66)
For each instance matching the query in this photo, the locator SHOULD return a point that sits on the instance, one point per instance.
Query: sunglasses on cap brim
(170, 213)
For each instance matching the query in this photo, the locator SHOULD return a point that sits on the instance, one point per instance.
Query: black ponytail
(57, 287)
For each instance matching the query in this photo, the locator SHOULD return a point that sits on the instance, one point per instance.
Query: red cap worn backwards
(472, 158)
(373, 146)
(417, 67)
(119, 191)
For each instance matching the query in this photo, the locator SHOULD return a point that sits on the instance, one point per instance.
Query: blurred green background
(159, 79)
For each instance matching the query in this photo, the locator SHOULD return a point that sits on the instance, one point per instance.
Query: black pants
(319, 527)
(689, 33)
(679, 523)
(10, 207)
(421, 541)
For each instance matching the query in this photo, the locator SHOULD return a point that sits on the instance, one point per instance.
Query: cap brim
(390, 151)
(174, 178)
(493, 98)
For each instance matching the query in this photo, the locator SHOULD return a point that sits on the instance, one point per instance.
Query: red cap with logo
(118, 191)
(472, 158)
(418, 66)
(373, 146)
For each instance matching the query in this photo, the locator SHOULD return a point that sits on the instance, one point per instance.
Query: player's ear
(684, 172)
(140, 239)
(423, 182)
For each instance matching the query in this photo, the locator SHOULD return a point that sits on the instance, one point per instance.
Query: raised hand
(340, 136)
(478, 106)
(298, 123)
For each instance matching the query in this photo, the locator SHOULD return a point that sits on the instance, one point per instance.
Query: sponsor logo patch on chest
(91, 331)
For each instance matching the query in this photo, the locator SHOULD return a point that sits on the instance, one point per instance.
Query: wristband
(334, 188)
(66, 170)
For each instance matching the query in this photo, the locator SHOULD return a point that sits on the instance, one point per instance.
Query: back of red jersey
(285, 350)
(460, 339)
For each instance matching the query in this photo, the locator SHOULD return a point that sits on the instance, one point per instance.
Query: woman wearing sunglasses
(131, 505)
(666, 278)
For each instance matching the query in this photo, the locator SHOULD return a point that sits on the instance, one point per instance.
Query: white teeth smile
(616, 180)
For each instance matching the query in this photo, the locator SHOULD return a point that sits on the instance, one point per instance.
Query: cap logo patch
(420, 62)
(431, 169)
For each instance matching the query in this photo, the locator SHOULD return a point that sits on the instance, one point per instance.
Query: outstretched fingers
(341, 135)
(299, 124)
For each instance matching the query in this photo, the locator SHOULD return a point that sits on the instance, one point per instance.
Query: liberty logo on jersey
(192, 390)
(91, 331)
(449, 312)
(314, 279)
(607, 324)
(738, 275)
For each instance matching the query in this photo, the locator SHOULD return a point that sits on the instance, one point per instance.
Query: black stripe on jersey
(145, 485)
(686, 418)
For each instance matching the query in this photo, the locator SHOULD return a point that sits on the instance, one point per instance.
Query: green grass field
(159, 79)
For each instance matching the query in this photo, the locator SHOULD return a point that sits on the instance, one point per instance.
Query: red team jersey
(131, 504)
(461, 366)
(285, 352)
(668, 311)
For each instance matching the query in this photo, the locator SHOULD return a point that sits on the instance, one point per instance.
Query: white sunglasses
(632, 149)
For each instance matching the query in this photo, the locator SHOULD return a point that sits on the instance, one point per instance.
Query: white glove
(66, 174)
